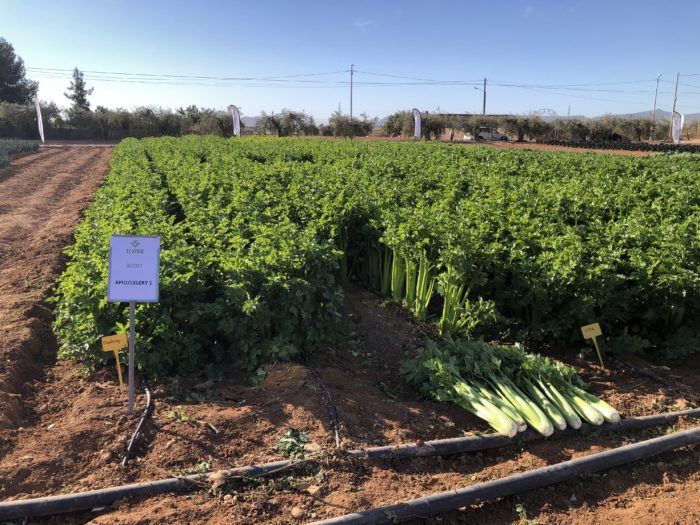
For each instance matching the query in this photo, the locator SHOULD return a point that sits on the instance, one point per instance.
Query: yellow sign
(591, 331)
(110, 343)
(114, 343)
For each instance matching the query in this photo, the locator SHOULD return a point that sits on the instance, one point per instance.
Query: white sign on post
(134, 264)
(134, 261)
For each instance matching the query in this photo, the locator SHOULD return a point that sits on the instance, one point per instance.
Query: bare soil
(511, 144)
(41, 197)
(67, 429)
(549, 147)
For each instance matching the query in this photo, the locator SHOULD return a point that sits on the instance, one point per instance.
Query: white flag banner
(39, 122)
(236, 120)
(677, 127)
(418, 119)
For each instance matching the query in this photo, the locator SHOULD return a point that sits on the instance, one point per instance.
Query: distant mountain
(660, 114)
(550, 118)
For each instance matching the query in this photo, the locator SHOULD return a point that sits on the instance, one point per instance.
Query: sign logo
(135, 243)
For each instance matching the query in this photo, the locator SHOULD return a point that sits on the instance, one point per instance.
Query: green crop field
(258, 237)
(11, 146)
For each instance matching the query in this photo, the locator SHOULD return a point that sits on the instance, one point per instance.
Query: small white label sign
(134, 261)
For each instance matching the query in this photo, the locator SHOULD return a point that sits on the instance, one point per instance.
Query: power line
(415, 81)
(161, 82)
(302, 81)
(196, 77)
(419, 78)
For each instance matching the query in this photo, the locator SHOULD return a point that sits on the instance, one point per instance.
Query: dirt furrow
(37, 162)
(41, 199)
(27, 203)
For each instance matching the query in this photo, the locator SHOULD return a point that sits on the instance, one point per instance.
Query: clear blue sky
(595, 56)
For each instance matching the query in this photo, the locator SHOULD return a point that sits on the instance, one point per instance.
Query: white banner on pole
(418, 119)
(235, 114)
(39, 122)
(677, 127)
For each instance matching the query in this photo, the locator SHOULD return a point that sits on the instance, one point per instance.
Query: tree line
(19, 121)
(80, 122)
(535, 128)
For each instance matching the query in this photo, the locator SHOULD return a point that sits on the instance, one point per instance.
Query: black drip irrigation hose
(329, 403)
(134, 438)
(460, 445)
(51, 505)
(453, 499)
(79, 501)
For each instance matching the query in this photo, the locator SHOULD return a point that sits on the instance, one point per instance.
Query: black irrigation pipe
(80, 501)
(460, 445)
(329, 403)
(508, 486)
(51, 505)
(147, 411)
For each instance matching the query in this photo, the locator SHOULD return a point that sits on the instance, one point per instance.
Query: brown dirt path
(76, 429)
(549, 147)
(41, 198)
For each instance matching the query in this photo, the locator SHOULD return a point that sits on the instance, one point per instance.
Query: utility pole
(483, 109)
(675, 97)
(653, 113)
(352, 71)
(352, 127)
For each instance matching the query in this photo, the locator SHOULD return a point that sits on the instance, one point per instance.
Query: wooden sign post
(591, 331)
(114, 343)
(134, 265)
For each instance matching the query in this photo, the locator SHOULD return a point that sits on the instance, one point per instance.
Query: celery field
(259, 236)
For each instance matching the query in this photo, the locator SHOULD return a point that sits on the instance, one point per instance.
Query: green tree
(343, 126)
(213, 122)
(192, 117)
(432, 126)
(268, 124)
(14, 86)
(19, 120)
(472, 123)
(297, 123)
(78, 93)
(518, 126)
(538, 129)
(399, 124)
(575, 130)
(402, 123)
(286, 123)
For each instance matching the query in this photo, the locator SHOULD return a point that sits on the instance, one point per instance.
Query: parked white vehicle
(490, 134)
